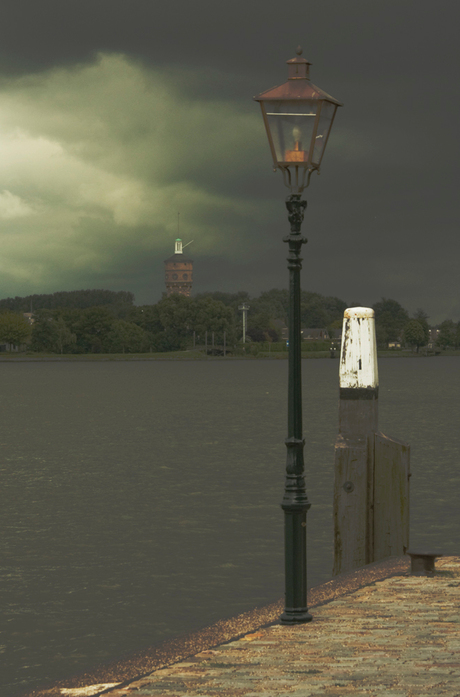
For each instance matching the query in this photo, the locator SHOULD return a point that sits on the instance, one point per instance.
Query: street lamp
(298, 117)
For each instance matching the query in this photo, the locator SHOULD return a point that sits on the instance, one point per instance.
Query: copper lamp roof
(298, 85)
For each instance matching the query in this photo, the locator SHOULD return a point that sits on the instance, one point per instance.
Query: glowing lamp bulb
(297, 154)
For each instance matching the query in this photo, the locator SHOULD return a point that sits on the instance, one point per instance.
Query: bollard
(359, 382)
(371, 495)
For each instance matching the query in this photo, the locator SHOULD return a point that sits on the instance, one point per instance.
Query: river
(140, 500)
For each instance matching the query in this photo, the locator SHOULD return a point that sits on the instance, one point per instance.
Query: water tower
(178, 271)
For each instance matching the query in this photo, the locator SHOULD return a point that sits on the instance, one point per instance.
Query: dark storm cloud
(382, 218)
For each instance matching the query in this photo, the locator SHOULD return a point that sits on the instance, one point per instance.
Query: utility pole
(244, 308)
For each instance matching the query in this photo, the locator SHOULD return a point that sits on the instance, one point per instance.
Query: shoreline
(196, 356)
(124, 670)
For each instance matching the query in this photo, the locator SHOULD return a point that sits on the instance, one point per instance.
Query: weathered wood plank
(391, 496)
(351, 505)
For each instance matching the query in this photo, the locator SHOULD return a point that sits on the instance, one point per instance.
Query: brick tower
(178, 272)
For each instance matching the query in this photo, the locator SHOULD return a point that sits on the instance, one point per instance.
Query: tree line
(102, 321)
(73, 299)
(393, 323)
(117, 326)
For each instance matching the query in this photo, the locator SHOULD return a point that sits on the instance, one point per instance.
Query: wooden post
(391, 497)
(371, 497)
(358, 418)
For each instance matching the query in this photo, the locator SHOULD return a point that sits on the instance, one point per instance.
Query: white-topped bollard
(371, 490)
(358, 364)
(359, 381)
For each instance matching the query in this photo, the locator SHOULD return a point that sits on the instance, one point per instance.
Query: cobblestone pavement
(398, 637)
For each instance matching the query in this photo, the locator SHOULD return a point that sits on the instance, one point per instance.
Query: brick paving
(397, 637)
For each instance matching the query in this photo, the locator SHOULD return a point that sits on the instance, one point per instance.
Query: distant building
(315, 334)
(178, 272)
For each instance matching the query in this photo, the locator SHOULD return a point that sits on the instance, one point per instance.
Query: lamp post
(298, 117)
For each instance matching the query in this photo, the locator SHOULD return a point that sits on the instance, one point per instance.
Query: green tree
(390, 317)
(213, 316)
(127, 336)
(335, 308)
(44, 331)
(334, 327)
(64, 336)
(147, 317)
(422, 317)
(259, 324)
(447, 333)
(275, 302)
(91, 327)
(50, 332)
(176, 315)
(232, 300)
(14, 328)
(320, 311)
(381, 335)
(314, 314)
(414, 333)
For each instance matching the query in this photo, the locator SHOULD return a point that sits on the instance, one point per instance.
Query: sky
(127, 123)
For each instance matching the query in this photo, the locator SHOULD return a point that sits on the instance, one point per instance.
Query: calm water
(141, 500)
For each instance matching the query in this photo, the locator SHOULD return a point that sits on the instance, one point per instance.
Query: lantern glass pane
(324, 126)
(291, 126)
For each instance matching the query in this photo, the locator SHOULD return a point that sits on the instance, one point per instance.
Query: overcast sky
(115, 115)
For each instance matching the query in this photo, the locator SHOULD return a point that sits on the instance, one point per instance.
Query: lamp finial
(299, 68)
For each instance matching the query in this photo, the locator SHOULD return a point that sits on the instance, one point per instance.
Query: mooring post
(371, 489)
(358, 421)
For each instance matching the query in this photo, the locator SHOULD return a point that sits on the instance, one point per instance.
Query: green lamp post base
(295, 616)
